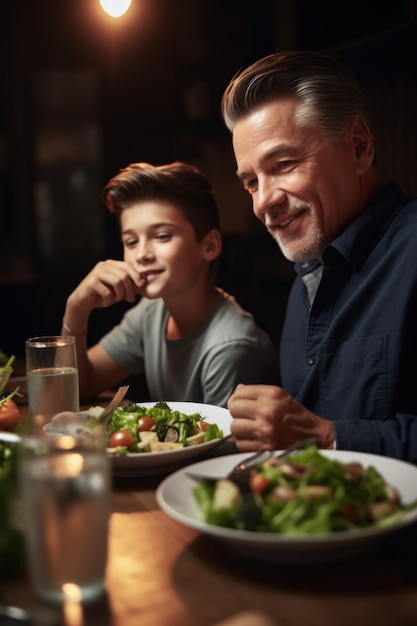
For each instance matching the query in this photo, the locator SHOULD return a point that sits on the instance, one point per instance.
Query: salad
(9, 411)
(134, 428)
(12, 550)
(302, 494)
(6, 369)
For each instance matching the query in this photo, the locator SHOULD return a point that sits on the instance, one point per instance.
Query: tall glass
(52, 377)
(65, 504)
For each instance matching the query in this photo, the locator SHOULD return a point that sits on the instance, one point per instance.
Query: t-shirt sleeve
(124, 343)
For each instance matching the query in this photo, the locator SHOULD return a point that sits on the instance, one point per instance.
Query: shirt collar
(361, 236)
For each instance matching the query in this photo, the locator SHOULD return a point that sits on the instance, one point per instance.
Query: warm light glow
(67, 465)
(72, 609)
(115, 8)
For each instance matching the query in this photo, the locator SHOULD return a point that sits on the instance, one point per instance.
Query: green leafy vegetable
(6, 369)
(213, 432)
(128, 416)
(306, 494)
(12, 549)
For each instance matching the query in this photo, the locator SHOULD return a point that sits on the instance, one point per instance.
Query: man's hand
(267, 417)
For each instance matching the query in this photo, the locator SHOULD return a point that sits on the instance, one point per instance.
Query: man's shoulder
(409, 210)
(404, 224)
(392, 200)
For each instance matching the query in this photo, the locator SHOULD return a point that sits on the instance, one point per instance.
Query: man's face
(305, 190)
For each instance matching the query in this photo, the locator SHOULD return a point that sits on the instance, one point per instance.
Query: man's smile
(282, 222)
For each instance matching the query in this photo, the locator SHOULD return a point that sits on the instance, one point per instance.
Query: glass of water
(65, 505)
(52, 377)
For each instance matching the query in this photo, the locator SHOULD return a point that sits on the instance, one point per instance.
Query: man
(305, 152)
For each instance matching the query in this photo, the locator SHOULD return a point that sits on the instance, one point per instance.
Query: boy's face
(160, 244)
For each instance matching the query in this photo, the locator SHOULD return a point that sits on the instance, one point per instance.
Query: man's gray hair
(328, 91)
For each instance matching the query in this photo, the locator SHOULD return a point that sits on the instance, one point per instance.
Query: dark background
(83, 95)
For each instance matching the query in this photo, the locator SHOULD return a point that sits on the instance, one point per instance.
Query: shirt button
(310, 361)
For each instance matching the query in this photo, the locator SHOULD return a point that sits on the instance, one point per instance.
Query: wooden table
(161, 573)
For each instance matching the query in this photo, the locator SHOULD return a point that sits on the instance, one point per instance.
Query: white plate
(8, 437)
(153, 463)
(174, 496)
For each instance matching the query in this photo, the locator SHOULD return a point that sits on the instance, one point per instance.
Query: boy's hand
(108, 282)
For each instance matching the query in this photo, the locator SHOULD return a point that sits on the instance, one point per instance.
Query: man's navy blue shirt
(352, 357)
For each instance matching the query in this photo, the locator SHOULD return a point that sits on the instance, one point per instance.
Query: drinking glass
(65, 504)
(52, 377)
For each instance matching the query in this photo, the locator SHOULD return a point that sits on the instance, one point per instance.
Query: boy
(190, 338)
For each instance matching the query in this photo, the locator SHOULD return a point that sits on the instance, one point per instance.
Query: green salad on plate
(305, 493)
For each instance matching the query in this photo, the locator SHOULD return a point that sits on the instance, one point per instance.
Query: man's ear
(212, 245)
(363, 145)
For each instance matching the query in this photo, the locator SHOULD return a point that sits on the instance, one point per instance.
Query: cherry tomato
(9, 414)
(258, 483)
(145, 423)
(122, 437)
(204, 425)
(349, 512)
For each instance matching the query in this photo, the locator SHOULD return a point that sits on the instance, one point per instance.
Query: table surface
(161, 573)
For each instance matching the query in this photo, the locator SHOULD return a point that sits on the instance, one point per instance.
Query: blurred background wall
(83, 95)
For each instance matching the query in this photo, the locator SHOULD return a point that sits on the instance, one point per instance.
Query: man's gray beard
(312, 249)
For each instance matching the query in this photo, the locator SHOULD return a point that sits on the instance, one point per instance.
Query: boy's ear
(212, 245)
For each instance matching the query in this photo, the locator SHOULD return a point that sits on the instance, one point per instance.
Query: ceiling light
(115, 8)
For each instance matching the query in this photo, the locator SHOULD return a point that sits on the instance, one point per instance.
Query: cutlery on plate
(113, 404)
(72, 423)
(240, 473)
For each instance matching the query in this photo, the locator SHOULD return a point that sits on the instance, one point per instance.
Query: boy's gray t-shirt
(229, 348)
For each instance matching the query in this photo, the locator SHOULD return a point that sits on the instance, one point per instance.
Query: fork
(72, 423)
(113, 404)
(240, 473)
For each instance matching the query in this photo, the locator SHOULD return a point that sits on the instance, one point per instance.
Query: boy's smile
(161, 245)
